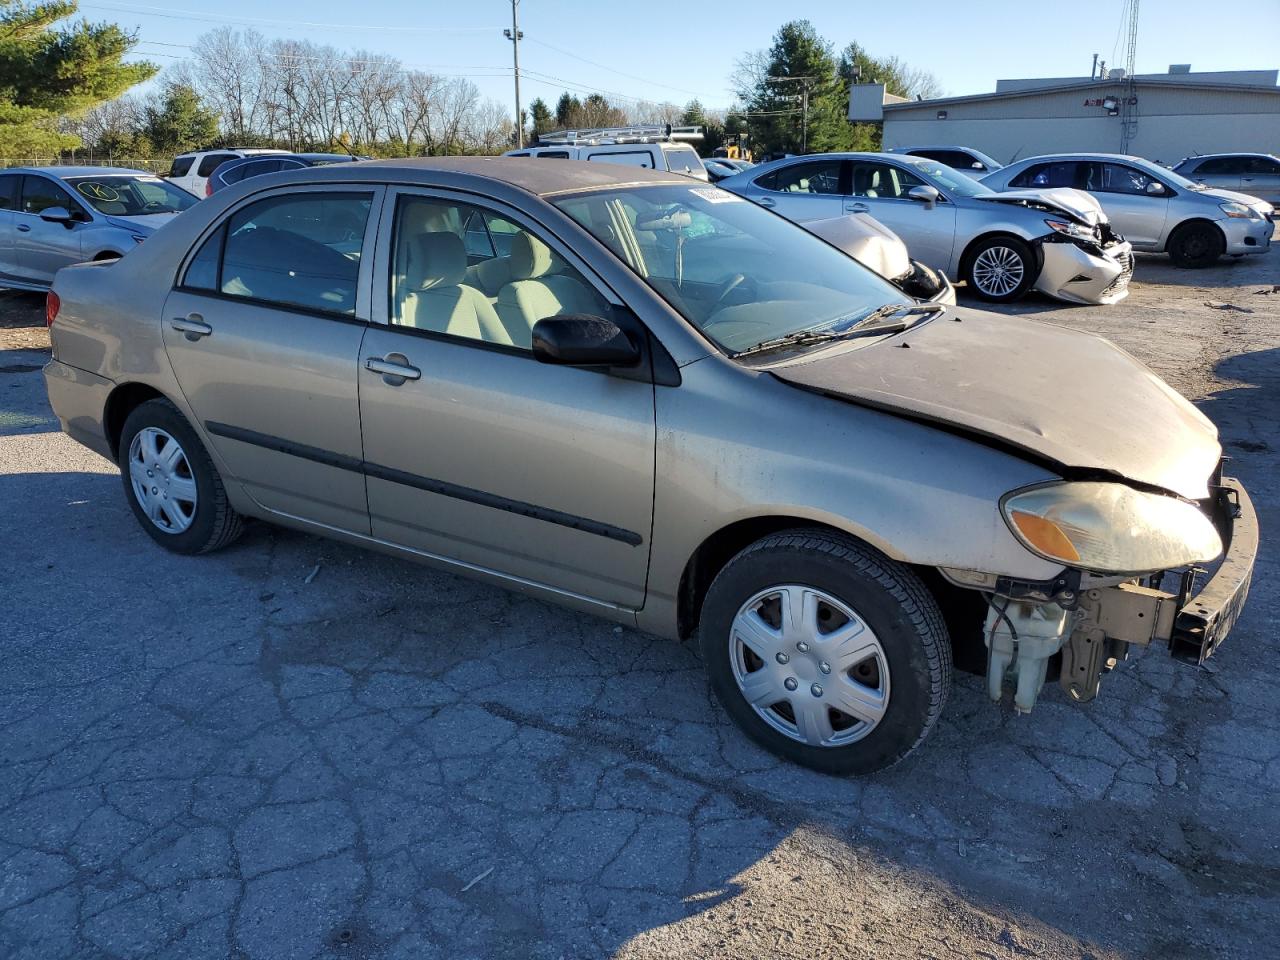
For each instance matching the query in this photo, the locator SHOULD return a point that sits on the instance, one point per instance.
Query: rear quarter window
(180, 166)
(630, 158)
(211, 161)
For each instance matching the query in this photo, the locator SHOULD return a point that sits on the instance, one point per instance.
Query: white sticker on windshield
(716, 195)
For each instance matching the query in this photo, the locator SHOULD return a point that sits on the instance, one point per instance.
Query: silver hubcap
(162, 481)
(997, 271)
(809, 665)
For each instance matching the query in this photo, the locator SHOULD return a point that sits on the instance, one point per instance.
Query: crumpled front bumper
(1079, 275)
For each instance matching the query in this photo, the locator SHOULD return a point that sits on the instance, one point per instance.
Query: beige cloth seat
(433, 297)
(536, 291)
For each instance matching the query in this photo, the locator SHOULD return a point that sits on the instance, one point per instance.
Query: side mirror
(1155, 188)
(581, 340)
(924, 194)
(978, 165)
(57, 215)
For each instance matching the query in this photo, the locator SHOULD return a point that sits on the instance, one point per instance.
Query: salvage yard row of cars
(637, 394)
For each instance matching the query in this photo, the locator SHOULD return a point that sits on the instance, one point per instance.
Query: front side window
(1119, 178)
(470, 273)
(125, 196)
(39, 195)
(731, 268)
(1063, 174)
(819, 176)
(1220, 166)
(301, 250)
(1265, 166)
(944, 178)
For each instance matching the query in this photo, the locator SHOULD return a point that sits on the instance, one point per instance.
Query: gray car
(1001, 245)
(54, 216)
(1156, 209)
(669, 407)
(1256, 174)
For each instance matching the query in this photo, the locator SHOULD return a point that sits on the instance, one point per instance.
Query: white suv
(652, 147)
(191, 170)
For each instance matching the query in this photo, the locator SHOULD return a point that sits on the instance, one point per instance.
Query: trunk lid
(1071, 398)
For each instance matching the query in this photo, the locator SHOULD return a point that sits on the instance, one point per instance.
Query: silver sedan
(54, 216)
(1001, 245)
(643, 397)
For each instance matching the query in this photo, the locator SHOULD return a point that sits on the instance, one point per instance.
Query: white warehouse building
(1163, 117)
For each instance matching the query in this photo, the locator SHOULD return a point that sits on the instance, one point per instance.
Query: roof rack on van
(638, 133)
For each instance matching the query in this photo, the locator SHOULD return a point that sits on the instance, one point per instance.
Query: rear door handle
(766, 201)
(856, 208)
(395, 369)
(192, 325)
(24, 228)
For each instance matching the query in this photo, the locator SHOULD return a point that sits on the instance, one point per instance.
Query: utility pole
(803, 97)
(515, 36)
(804, 134)
(1129, 106)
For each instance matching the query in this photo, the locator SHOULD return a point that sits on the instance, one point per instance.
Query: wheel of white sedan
(825, 651)
(1000, 269)
(171, 484)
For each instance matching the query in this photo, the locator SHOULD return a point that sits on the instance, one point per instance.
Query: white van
(191, 170)
(652, 147)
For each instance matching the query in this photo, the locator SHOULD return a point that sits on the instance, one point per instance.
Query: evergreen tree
(566, 109)
(178, 121)
(49, 72)
(540, 114)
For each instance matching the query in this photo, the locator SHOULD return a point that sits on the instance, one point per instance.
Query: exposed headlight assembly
(1077, 230)
(1109, 527)
(1239, 211)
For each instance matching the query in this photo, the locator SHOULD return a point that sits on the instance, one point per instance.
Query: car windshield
(1164, 173)
(948, 178)
(737, 272)
(122, 195)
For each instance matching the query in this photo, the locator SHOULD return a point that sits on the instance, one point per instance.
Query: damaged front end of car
(1083, 622)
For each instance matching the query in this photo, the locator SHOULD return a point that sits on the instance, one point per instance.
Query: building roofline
(1095, 84)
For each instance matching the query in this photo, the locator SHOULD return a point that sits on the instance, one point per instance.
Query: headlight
(137, 239)
(1077, 230)
(1239, 211)
(1110, 528)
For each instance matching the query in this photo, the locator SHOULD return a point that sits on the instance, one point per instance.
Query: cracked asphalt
(227, 757)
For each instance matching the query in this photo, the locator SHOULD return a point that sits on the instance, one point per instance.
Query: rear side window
(211, 161)
(180, 166)
(554, 154)
(9, 192)
(1228, 166)
(1263, 165)
(630, 158)
(297, 251)
(1049, 175)
(952, 158)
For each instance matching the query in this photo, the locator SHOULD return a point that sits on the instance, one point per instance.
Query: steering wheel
(730, 284)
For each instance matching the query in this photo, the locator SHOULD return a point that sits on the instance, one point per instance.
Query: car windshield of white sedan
(124, 196)
(740, 274)
(949, 179)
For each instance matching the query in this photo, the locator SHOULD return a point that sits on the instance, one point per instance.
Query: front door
(1136, 203)
(264, 334)
(474, 450)
(10, 191)
(803, 191)
(881, 189)
(42, 248)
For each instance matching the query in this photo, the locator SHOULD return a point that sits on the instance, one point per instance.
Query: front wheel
(1196, 245)
(1000, 269)
(826, 652)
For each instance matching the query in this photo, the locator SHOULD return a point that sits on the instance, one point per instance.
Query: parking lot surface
(295, 749)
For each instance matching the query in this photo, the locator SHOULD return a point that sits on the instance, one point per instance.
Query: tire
(891, 659)
(1196, 245)
(198, 517)
(1000, 269)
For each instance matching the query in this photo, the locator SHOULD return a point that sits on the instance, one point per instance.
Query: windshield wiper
(866, 326)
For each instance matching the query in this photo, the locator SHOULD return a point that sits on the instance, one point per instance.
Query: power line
(179, 14)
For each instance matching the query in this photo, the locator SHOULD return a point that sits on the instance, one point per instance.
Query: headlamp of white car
(1239, 211)
(1109, 527)
(1069, 229)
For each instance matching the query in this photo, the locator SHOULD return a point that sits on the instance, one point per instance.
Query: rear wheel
(825, 651)
(1196, 245)
(171, 484)
(1000, 269)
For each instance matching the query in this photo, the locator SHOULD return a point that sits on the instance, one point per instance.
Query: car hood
(1076, 204)
(867, 240)
(145, 224)
(1217, 194)
(1069, 398)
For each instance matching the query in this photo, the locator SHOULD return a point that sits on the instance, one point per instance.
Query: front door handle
(766, 201)
(192, 325)
(24, 228)
(856, 208)
(394, 367)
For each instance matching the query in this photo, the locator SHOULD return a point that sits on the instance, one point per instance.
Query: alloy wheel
(809, 665)
(162, 481)
(997, 271)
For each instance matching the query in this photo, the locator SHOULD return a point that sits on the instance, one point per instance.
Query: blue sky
(664, 50)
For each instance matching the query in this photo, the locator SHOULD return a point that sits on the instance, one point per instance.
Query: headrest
(530, 257)
(436, 260)
(422, 216)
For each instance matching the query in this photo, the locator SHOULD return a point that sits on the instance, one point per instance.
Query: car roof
(69, 171)
(1232, 153)
(533, 175)
(1087, 156)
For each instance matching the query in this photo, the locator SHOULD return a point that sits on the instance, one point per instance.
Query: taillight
(208, 187)
(51, 305)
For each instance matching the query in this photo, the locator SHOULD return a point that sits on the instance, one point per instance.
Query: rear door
(263, 332)
(1261, 178)
(881, 189)
(43, 248)
(1221, 172)
(803, 191)
(10, 191)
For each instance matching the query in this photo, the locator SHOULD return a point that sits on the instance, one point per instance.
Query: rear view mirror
(924, 194)
(581, 340)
